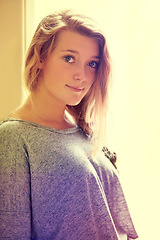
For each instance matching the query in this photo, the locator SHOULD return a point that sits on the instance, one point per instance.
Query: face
(70, 70)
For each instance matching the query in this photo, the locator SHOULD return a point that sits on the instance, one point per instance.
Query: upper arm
(15, 207)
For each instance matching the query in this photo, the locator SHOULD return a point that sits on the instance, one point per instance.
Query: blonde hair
(90, 113)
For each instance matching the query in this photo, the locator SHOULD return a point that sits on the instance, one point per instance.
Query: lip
(75, 89)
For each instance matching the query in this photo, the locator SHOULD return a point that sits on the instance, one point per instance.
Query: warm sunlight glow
(133, 33)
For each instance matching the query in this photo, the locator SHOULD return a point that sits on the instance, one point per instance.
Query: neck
(44, 111)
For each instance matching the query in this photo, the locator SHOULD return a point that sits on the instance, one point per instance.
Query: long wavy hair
(90, 113)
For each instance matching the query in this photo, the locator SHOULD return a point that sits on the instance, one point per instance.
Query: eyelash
(67, 58)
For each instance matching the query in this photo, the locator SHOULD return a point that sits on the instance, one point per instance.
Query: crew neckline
(73, 129)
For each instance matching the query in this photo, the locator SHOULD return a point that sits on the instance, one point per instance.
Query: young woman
(55, 183)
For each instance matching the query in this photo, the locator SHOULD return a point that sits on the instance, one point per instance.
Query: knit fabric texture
(50, 188)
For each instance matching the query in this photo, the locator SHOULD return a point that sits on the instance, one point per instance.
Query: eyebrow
(74, 51)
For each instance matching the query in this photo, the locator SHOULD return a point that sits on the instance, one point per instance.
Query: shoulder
(13, 148)
(11, 133)
(8, 126)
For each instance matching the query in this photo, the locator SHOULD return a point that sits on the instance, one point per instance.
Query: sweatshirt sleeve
(15, 207)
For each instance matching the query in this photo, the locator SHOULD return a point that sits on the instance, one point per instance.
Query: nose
(79, 74)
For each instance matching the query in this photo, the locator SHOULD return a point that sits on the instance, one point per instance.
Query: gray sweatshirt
(50, 188)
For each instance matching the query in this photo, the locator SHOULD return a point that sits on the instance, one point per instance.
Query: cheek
(91, 76)
(51, 73)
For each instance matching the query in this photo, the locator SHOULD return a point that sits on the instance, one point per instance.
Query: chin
(74, 103)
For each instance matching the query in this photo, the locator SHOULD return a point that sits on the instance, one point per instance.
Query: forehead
(77, 42)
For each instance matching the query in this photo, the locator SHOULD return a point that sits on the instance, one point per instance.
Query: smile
(75, 89)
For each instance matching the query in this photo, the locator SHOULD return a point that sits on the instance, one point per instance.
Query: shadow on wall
(11, 49)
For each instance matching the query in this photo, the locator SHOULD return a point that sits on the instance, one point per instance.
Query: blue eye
(93, 64)
(69, 59)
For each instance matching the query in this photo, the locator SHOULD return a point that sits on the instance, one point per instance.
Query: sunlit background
(132, 28)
